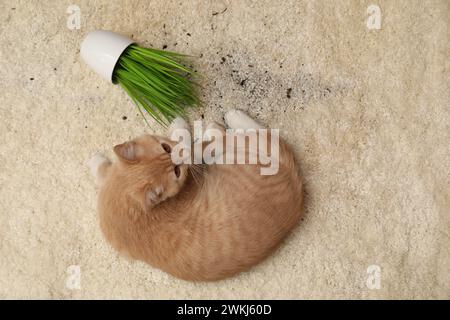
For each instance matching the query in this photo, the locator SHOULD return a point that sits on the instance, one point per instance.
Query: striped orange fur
(202, 223)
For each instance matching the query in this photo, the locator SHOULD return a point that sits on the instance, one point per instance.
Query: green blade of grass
(150, 93)
(157, 82)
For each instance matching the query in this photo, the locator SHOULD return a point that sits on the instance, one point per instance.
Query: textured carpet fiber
(366, 110)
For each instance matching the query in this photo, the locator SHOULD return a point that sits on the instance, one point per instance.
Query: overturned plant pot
(156, 80)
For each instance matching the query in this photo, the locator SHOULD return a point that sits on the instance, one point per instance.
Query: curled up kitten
(198, 223)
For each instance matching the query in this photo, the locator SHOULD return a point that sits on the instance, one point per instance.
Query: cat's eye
(177, 171)
(166, 147)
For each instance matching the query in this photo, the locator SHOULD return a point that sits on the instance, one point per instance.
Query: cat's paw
(237, 119)
(96, 162)
(209, 130)
(178, 124)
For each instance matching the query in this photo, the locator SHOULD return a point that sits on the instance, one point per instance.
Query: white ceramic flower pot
(102, 49)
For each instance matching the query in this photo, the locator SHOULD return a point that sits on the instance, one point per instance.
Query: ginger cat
(198, 225)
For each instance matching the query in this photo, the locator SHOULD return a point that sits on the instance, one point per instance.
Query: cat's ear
(153, 196)
(127, 151)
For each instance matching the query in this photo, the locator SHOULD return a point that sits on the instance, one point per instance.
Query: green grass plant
(157, 81)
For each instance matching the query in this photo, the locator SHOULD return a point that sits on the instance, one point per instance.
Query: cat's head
(148, 169)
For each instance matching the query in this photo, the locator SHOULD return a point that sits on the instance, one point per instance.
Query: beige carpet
(366, 110)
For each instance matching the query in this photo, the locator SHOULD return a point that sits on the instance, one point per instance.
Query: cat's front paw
(237, 119)
(177, 124)
(211, 128)
(96, 162)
